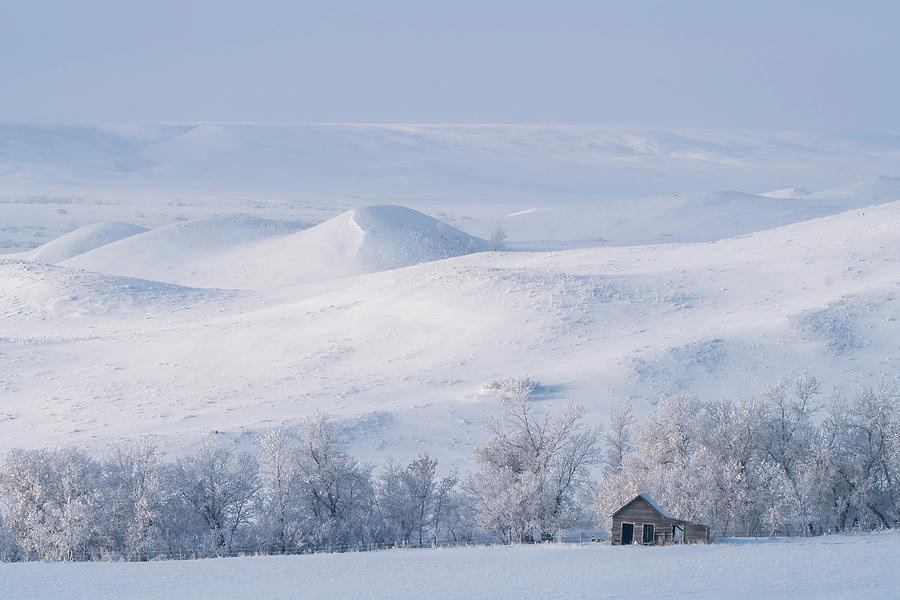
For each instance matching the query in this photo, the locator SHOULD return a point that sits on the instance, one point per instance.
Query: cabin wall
(694, 533)
(661, 525)
(641, 512)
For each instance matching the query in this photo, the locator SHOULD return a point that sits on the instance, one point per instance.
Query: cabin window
(677, 534)
(648, 533)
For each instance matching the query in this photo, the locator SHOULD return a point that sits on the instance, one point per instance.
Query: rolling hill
(401, 354)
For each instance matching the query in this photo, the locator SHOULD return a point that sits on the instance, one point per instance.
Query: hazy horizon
(806, 66)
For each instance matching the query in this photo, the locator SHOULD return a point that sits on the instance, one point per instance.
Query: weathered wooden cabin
(642, 521)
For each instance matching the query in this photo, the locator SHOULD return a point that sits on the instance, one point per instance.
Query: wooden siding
(639, 512)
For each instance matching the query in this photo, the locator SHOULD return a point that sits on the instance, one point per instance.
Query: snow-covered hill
(82, 240)
(249, 253)
(182, 252)
(585, 185)
(405, 160)
(287, 269)
(401, 354)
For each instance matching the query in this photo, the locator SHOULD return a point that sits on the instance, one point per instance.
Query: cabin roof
(649, 501)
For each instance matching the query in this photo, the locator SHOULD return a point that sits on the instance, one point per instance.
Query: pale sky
(741, 65)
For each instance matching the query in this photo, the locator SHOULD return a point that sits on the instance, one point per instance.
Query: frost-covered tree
(420, 485)
(874, 444)
(498, 239)
(281, 483)
(137, 492)
(744, 467)
(222, 487)
(9, 551)
(413, 501)
(618, 436)
(532, 469)
(394, 522)
(53, 502)
(731, 435)
(787, 435)
(335, 489)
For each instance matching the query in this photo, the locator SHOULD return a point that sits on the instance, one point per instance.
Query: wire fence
(201, 551)
(268, 550)
(794, 531)
(261, 549)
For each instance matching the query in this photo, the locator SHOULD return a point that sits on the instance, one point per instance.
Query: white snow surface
(82, 240)
(785, 193)
(287, 269)
(401, 354)
(181, 252)
(249, 253)
(591, 185)
(823, 567)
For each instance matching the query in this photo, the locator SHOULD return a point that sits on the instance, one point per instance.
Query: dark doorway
(627, 533)
(648, 533)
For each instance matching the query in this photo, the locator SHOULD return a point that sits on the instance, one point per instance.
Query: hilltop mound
(83, 239)
(786, 193)
(397, 237)
(182, 253)
(249, 253)
(365, 240)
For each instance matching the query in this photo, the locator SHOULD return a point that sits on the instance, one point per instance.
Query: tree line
(785, 463)
(745, 467)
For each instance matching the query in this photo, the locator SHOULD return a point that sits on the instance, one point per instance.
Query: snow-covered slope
(686, 217)
(593, 185)
(392, 319)
(365, 240)
(821, 567)
(788, 192)
(875, 189)
(404, 161)
(249, 253)
(82, 240)
(403, 353)
(181, 252)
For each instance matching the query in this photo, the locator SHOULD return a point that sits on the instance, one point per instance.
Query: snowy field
(231, 278)
(826, 567)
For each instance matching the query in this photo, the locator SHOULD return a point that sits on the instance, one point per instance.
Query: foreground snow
(827, 567)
